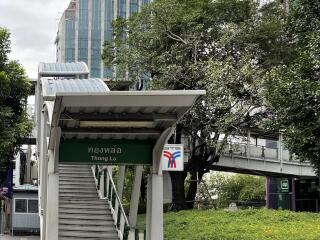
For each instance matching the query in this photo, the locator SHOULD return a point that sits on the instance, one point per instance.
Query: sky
(33, 25)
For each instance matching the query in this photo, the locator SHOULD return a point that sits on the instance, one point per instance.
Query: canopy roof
(52, 86)
(63, 69)
(119, 114)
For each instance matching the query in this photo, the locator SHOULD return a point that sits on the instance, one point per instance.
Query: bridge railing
(258, 151)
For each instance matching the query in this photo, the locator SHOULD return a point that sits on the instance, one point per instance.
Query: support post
(248, 143)
(101, 184)
(155, 190)
(134, 203)
(267, 192)
(293, 196)
(280, 151)
(43, 173)
(120, 184)
(149, 207)
(52, 208)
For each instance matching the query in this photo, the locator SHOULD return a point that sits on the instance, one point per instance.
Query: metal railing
(258, 151)
(108, 191)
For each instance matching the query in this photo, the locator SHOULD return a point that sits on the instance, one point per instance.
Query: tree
(235, 188)
(211, 45)
(294, 87)
(13, 95)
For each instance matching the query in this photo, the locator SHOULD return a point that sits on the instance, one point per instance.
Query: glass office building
(84, 27)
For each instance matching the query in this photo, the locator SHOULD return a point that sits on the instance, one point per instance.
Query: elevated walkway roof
(52, 86)
(63, 69)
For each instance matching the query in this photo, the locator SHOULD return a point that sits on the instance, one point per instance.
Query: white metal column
(155, 191)
(42, 142)
(52, 217)
(134, 202)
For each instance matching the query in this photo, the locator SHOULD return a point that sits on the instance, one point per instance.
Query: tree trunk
(193, 187)
(178, 194)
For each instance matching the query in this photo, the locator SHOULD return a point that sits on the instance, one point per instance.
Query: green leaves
(14, 123)
(293, 89)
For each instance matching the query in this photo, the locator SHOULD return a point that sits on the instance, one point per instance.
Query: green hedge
(241, 225)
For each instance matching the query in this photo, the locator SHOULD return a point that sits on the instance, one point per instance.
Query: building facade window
(134, 6)
(95, 40)
(69, 41)
(76, 20)
(83, 31)
(122, 8)
(26, 206)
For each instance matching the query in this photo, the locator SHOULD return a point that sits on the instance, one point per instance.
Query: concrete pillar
(280, 150)
(248, 143)
(155, 190)
(120, 184)
(149, 208)
(267, 192)
(52, 217)
(134, 202)
(120, 181)
(293, 195)
(101, 190)
(157, 207)
(42, 142)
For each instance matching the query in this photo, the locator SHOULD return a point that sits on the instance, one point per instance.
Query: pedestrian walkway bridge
(261, 160)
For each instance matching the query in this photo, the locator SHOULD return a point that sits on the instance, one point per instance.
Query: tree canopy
(221, 46)
(13, 96)
(257, 63)
(294, 86)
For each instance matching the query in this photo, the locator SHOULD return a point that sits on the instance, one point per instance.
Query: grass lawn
(240, 225)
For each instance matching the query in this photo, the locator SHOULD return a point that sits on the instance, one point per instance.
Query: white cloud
(33, 25)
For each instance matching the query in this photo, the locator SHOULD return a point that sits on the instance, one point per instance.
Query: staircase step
(77, 184)
(86, 197)
(85, 216)
(75, 176)
(83, 201)
(71, 174)
(87, 222)
(78, 181)
(83, 206)
(108, 228)
(84, 211)
(80, 186)
(89, 238)
(78, 234)
(79, 190)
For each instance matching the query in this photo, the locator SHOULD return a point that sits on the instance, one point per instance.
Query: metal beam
(111, 131)
(118, 116)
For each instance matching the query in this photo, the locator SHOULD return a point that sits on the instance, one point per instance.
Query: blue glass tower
(84, 27)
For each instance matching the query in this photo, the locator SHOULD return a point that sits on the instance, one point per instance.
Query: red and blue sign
(172, 157)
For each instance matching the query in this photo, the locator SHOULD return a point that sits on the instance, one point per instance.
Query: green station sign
(106, 152)
(284, 184)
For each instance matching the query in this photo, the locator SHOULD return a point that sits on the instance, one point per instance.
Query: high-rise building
(84, 27)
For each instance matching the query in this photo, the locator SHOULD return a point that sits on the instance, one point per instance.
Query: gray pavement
(6, 237)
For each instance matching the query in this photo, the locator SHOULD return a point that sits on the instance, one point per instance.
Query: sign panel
(106, 152)
(284, 185)
(172, 157)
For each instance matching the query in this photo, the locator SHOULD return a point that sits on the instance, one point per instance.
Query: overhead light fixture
(117, 124)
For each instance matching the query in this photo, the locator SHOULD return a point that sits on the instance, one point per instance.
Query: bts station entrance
(83, 130)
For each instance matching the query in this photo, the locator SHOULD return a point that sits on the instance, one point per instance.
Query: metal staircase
(82, 214)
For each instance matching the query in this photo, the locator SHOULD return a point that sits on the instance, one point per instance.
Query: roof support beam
(65, 116)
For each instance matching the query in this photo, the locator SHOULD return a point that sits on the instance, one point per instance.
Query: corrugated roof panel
(62, 69)
(51, 86)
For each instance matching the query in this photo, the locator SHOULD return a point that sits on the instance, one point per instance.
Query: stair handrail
(121, 221)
